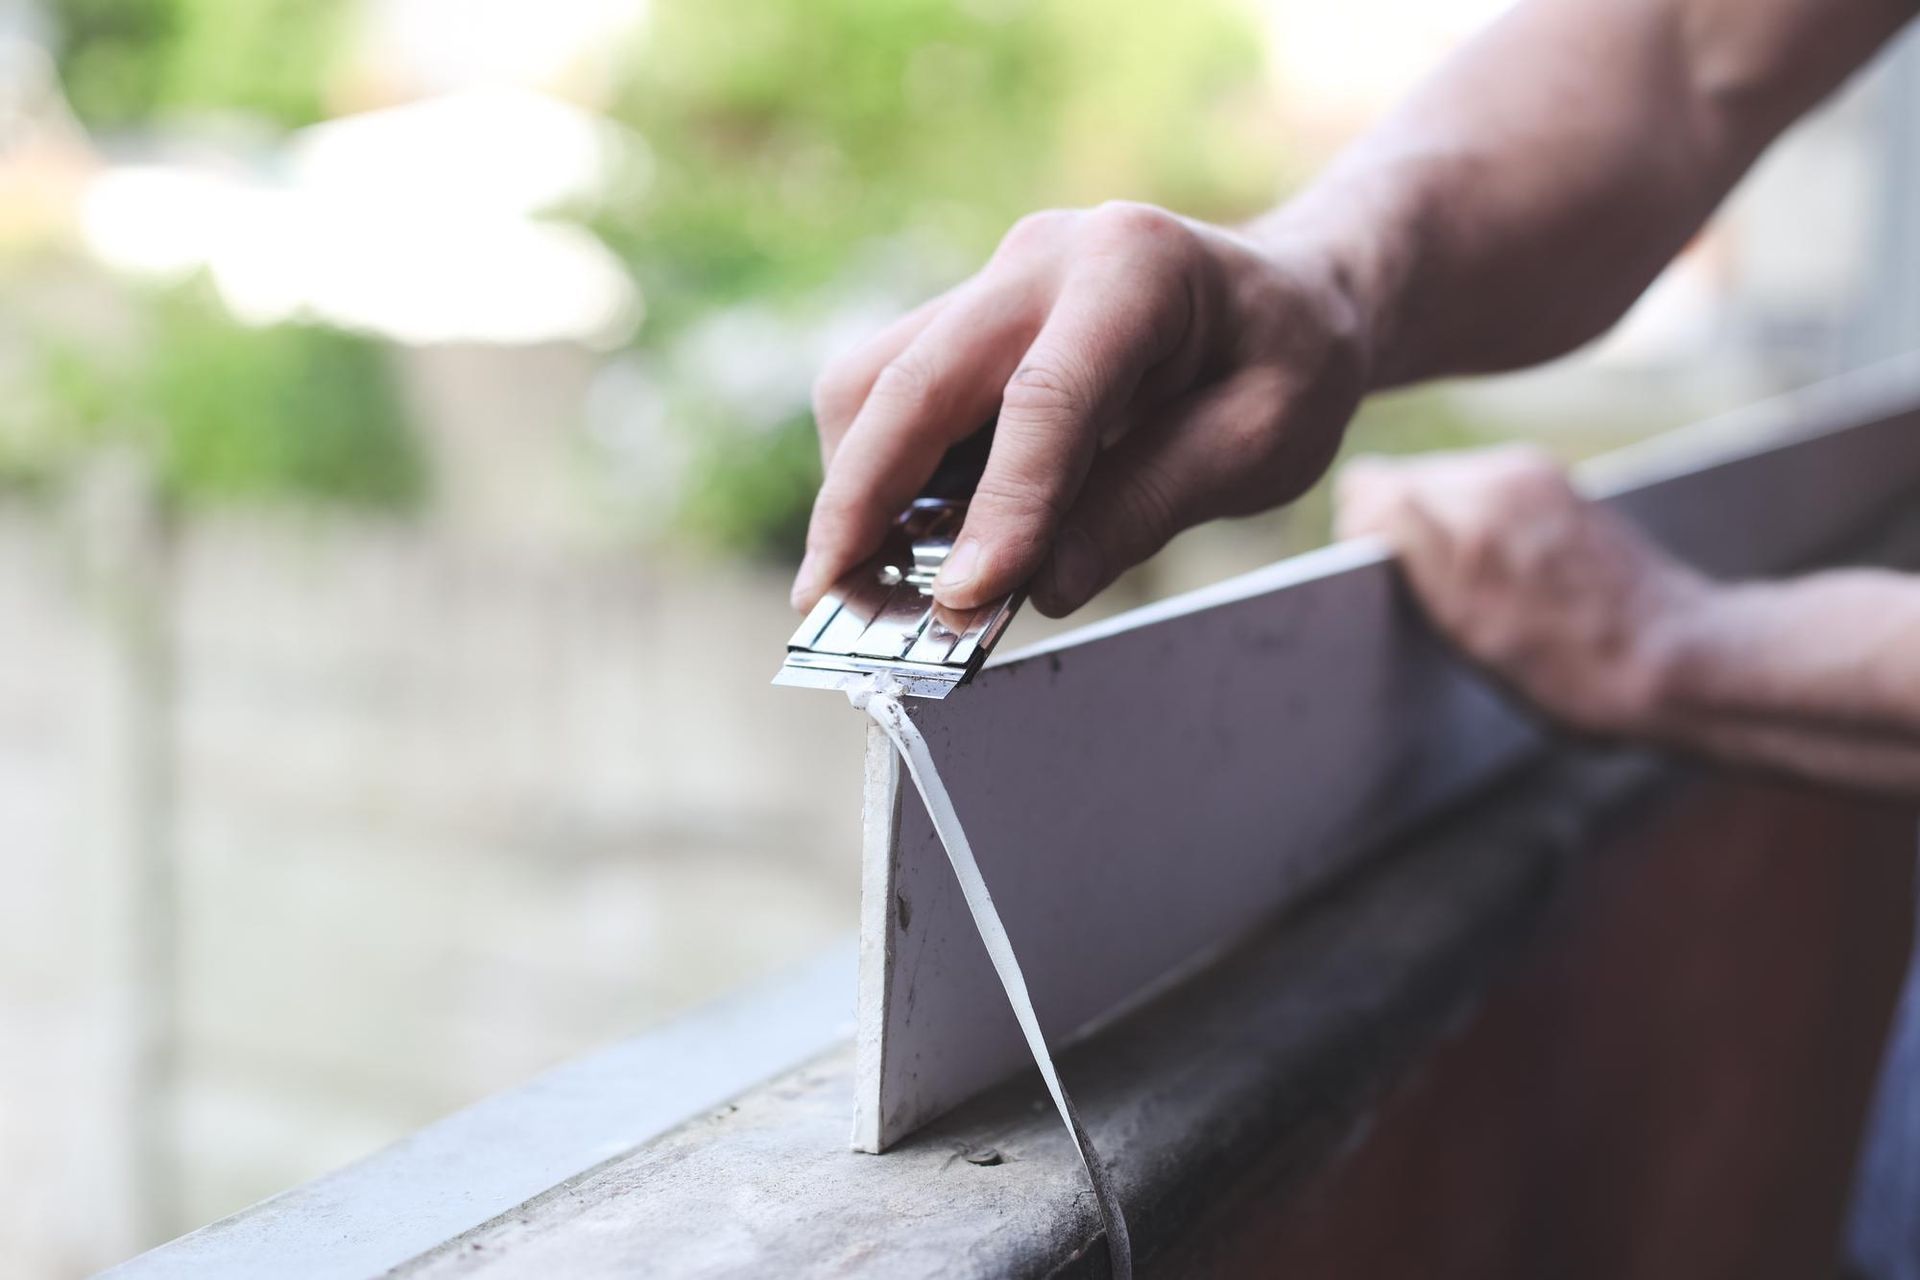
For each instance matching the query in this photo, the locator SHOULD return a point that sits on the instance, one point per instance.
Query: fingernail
(960, 566)
(804, 582)
(1076, 568)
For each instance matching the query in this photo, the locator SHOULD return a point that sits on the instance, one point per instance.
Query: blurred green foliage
(786, 136)
(787, 140)
(794, 153)
(230, 414)
(755, 499)
(123, 62)
(292, 413)
(289, 411)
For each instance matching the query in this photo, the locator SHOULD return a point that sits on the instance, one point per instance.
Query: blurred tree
(291, 413)
(125, 61)
(787, 140)
(295, 411)
(785, 135)
(803, 160)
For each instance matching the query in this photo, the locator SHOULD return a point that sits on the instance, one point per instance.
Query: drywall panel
(1141, 792)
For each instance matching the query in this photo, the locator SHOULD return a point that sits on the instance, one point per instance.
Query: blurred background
(403, 451)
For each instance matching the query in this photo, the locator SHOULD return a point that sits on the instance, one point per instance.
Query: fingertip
(954, 620)
(964, 599)
(953, 585)
(980, 589)
(977, 573)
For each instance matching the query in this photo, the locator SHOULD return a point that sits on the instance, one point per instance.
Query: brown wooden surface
(1670, 1084)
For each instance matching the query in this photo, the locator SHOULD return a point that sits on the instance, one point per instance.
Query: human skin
(1151, 372)
(1576, 611)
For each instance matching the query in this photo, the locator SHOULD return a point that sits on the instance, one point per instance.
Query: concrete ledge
(462, 1171)
(1237, 1082)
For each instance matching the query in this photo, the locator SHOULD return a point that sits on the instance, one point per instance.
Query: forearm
(1862, 761)
(1819, 676)
(1841, 647)
(1521, 200)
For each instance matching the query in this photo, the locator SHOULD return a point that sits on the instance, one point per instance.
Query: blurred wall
(316, 833)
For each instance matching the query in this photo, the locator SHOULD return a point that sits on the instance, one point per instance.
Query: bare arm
(1150, 372)
(1514, 206)
(1819, 676)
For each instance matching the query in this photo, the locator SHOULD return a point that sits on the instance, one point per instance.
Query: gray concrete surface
(1253, 1071)
(459, 1172)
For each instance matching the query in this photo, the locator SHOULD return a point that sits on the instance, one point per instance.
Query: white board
(1141, 792)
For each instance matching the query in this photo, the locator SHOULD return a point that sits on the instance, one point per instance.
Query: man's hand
(1149, 372)
(1559, 597)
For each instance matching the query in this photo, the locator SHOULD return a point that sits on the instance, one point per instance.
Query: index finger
(844, 385)
(931, 394)
(1100, 340)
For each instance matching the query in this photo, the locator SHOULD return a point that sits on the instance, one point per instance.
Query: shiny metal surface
(880, 618)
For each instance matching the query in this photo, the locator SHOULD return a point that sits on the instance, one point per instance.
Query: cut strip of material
(892, 719)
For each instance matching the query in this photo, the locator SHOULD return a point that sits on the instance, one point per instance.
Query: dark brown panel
(1669, 1088)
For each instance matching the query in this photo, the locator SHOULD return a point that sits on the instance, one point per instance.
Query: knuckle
(1035, 231)
(1045, 387)
(1479, 547)
(1246, 447)
(1248, 442)
(1395, 514)
(1131, 224)
(1496, 642)
(1028, 504)
(905, 382)
(1525, 457)
(1528, 471)
(1524, 497)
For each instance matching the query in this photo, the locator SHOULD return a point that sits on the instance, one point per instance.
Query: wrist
(1348, 227)
(1340, 276)
(1686, 638)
